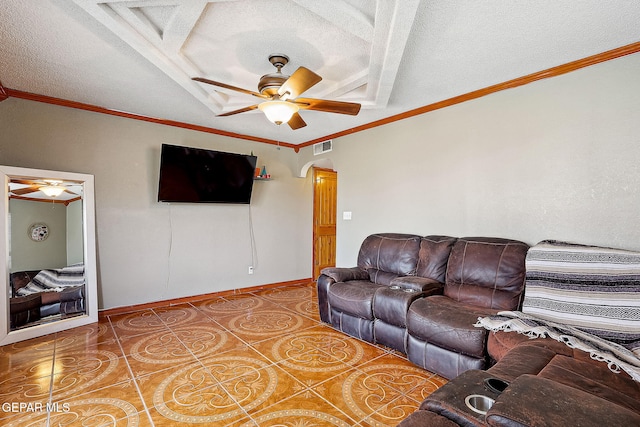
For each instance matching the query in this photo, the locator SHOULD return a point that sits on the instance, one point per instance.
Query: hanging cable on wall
(252, 238)
(166, 288)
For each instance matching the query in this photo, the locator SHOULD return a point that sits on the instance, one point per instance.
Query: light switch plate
(346, 216)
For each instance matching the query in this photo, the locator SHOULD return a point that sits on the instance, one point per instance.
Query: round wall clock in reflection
(38, 232)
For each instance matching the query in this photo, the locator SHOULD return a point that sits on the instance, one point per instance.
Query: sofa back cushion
(388, 255)
(591, 288)
(487, 272)
(433, 257)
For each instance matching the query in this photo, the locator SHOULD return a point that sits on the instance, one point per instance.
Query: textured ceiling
(391, 56)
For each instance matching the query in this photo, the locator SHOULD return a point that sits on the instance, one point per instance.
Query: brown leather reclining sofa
(423, 295)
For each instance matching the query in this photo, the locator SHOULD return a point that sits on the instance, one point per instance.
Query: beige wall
(556, 159)
(75, 245)
(553, 159)
(49, 253)
(150, 251)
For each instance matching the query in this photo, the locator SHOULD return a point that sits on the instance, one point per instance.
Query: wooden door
(325, 211)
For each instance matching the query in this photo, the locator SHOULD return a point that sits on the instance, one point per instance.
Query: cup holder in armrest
(495, 385)
(479, 403)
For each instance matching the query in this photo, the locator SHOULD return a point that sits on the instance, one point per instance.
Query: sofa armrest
(533, 401)
(345, 274)
(420, 284)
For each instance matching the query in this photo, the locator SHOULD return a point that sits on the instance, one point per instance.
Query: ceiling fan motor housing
(270, 83)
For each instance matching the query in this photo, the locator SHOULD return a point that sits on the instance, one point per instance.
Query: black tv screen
(194, 175)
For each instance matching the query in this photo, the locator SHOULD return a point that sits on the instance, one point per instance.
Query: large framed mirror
(47, 252)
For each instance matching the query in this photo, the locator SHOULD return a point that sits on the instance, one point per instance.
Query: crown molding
(13, 93)
(520, 81)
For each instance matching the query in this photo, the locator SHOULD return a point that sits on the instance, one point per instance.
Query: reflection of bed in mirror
(47, 252)
(40, 296)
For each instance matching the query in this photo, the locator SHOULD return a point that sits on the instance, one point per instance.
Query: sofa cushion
(616, 356)
(381, 277)
(486, 272)
(433, 257)
(426, 418)
(391, 253)
(536, 401)
(449, 324)
(590, 288)
(354, 297)
(500, 343)
(595, 378)
(524, 359)
(446, 363)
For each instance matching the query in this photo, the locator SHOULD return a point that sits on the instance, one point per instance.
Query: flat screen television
(195, 175)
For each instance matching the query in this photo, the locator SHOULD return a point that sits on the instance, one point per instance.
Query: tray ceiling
(389, 55)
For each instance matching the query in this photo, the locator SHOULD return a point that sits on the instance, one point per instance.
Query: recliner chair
(484, 276)
(370, 301)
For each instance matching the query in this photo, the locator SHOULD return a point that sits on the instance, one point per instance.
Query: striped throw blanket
(54, 280)
(594, 289)
(616, 356)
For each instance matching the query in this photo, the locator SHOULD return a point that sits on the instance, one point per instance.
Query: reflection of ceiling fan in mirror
(280, 94)
(45, 190)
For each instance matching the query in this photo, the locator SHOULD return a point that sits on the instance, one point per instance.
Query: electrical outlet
(251, 269)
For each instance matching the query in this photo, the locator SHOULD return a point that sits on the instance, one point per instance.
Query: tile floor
(256, 359)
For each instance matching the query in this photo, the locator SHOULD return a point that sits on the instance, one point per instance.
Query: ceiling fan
(280, 94)
(50, 187)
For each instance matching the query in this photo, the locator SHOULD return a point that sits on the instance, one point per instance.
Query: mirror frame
(89, 242)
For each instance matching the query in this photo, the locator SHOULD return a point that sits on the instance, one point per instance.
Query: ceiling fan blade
(327, 106)
(296, 122)
(26, 190)
(226, 86)
(24, 181)
(301, 80)
(241, 110)
(66, 190)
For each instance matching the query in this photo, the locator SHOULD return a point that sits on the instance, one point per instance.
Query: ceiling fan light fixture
(52, 190)
(277, 111)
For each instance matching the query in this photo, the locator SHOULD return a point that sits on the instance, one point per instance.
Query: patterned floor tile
(370, 388)
(288, 294)
(191, 395)
(300, 410)
(184, 344)
(235, 363)
(76, 373)
(97, 336)
(23, 387)
(394, 412)
(399, 374)
(259, 389)
(136, 323)
(16, 354)
(233, 305)
(307, 308)
(118, 405)
(309, 367)
(180, 315)
(265, 323)
(257, 359)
